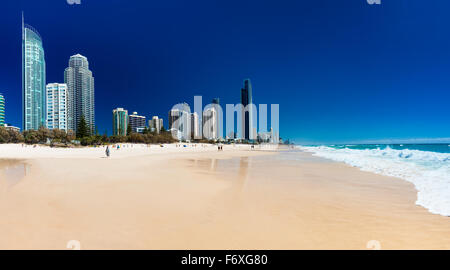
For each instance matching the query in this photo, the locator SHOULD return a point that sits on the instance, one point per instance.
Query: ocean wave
(428, 171)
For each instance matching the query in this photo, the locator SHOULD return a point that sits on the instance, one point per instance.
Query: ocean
(427, 166)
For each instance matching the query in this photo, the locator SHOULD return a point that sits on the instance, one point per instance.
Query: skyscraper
(211, 123)
(80, 98)
(180, 121)
(212, 120)
(161, 124)
(215, 101)
(156, 124)
(57, 106)
(2, 110)
(195, 125)
(247, 115)
(120, 122)
(137, 122)
(33, 78)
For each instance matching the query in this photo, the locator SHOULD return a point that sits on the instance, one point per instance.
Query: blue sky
(342, 71)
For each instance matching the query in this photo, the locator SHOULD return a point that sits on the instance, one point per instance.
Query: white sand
(199, 198)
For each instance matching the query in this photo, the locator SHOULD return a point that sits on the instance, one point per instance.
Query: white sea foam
(428, 171)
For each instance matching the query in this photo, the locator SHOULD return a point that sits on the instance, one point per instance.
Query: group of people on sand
(108, 150)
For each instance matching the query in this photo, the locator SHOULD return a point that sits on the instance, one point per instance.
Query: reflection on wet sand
(236, 169)
(12, 172)
(242, 179)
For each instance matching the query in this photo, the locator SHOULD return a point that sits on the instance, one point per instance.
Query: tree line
(83, 136)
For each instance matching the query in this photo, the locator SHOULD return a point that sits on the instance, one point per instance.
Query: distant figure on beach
(107, 151)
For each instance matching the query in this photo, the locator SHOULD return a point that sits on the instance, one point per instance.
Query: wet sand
(235, 199)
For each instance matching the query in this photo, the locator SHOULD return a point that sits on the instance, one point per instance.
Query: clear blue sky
(341, 71)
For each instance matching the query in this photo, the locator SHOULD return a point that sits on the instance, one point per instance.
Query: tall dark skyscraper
(216, 101)
(247, 115)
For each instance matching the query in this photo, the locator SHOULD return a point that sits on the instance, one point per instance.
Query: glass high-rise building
(210, 123)
(80, 99)
(247, 115)
(33, 78)
(2, 110)
(212, 120)
(57, 106)
(180, 121)
(195, 126)
(120, 122)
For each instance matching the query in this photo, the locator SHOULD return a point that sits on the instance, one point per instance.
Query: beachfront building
(195, 126)
(180, 121)
(80, 98)
(12, 128)
(210, 123)
(137, 122)
(155, 124)
(212, 116)
(247, 113)
(33, 79)
(265, 137)
(2, 110)
(120, 122)
(56, 106)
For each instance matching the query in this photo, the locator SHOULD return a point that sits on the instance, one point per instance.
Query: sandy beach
(195, 197)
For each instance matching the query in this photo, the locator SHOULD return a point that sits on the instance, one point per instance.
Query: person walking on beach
(107, 151)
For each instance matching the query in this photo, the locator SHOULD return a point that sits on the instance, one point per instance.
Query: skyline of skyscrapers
(33, 78)
(2, 110)
(81, 92)
(120, 122)
(74, 98)
(62, 105)
(137, 122)
(56, 106)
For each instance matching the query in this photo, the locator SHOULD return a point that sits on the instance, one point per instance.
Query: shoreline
(212, 200)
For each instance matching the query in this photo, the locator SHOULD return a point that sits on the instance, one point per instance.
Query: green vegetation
(82, 129)
(129, 131)
(60, 138)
